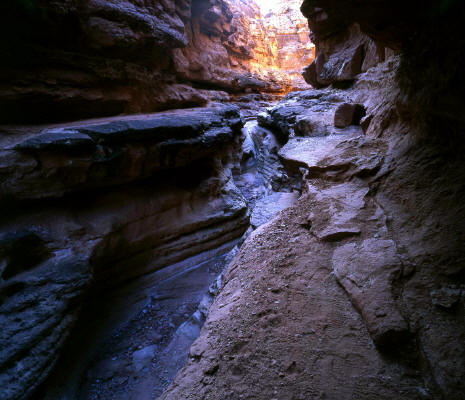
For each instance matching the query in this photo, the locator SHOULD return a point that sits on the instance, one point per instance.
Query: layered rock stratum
(295, 51)
(114, 228)
(101, 205)
(70, 60)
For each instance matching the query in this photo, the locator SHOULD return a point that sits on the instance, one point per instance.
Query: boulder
(366, 272)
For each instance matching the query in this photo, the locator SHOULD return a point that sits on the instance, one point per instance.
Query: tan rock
(128, 56)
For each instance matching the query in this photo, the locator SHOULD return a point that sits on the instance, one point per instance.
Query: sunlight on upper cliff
(285, 37)
(267, 5)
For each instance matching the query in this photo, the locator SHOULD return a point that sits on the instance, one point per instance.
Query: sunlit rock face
(71, 60)
(273, 42)
(295, 49)
(229, 49)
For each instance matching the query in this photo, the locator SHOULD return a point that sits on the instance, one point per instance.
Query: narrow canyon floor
(299, 272)
(343, 295)
(138, 342)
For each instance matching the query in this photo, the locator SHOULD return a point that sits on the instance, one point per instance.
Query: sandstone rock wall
(75, 59)
(357, 290)
(295, 50)
(343, 50)
(227, 49)
(431, 82)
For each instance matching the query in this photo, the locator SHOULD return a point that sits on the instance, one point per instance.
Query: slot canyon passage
(229, 199)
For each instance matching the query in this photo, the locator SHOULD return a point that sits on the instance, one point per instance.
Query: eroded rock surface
(295, 51)
(104, 203)
(115, 228)
(71, 60)
(334, 297)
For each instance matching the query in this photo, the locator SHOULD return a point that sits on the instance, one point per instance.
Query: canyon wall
(343, 51)
(100, 207)
(74, 59)
(356, 291)
(100, 211)
(295, 50)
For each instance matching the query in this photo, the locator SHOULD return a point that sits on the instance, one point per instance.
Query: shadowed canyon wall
(428, 76)
(99, 206)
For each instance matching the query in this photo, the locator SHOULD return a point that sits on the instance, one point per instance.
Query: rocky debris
(142, 358)
(305, 113)
(108, 208)
(252, 104)
(175, 354)
(446, 297)
(304, 121)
